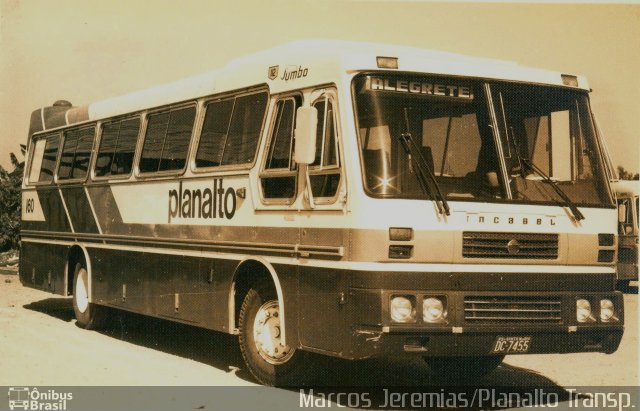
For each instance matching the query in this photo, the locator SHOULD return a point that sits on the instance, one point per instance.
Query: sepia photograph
(282, 205)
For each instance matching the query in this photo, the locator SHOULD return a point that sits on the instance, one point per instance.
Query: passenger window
(279, 175)
(167, 140)
(214, 133)
(117, 147)
(324, 173)
(44, 159)
(76, 153)
(244, 130)
(231, 130)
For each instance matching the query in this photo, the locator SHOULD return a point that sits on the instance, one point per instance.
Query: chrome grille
(509, 245)
(507, 309)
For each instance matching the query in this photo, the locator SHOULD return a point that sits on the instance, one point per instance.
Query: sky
(84, 51)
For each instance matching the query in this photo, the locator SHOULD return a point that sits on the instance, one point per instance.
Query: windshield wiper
(572, 206)
(424, 173)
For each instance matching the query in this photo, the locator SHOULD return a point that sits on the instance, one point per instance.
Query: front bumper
(461, 335)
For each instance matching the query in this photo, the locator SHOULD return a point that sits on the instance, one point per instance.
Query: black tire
(280, 367)
(88, 316)
(463, 368)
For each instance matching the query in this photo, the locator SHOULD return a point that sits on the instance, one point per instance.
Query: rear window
(44, 158)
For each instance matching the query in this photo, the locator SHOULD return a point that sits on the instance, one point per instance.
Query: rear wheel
(463, 368)
(269, 360)
(88, 315)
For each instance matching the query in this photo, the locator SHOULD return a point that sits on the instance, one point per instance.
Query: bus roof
(310, 62)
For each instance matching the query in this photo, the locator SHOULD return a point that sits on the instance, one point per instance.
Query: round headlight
(607, 310)
(432, 310)
(583, 310)
(402, 310)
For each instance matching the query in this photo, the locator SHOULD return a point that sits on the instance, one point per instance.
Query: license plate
(508, 345)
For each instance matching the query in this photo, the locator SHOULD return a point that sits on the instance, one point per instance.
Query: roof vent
(62, 103)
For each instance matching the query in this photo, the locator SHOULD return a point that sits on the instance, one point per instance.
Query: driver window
(278, 178)
(324, 173)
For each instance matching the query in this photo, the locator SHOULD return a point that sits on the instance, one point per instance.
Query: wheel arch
(76, 253)
(243, 277)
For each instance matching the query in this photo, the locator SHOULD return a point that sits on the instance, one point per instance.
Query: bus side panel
(322, 313)
(122, 279)
(188, 289)
(79, 210)
(42, 266)
(55, 216)
(195, 290)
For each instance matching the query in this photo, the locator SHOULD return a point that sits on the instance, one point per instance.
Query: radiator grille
(507, 309)
(509, 245)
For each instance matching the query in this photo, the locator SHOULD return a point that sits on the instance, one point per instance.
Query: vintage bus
(627, 197)
(338, 198)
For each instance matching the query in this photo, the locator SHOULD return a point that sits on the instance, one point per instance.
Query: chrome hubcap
(81, 295)
(267, 335)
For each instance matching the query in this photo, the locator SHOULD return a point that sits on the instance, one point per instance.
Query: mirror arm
(304, 187)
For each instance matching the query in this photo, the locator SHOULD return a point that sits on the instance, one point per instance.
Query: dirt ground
(41, 345)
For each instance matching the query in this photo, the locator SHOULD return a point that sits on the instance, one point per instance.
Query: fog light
(583, 311)
(402, 309)
(433, 310)
(607, 311)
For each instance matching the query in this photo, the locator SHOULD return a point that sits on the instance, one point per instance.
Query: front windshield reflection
(449, 120)
(445, 118)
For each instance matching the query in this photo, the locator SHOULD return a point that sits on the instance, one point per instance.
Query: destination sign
(419, 87)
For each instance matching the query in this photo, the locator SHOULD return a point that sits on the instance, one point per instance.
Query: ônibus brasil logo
(25, 398)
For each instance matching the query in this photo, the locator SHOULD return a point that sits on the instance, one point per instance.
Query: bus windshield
(456, 123)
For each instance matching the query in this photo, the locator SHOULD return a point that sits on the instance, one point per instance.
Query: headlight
(583, 311)
(607, 310)
(402, 309)
(433, 310)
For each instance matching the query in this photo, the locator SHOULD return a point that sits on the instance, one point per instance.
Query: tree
(627, 175)
(10, 203)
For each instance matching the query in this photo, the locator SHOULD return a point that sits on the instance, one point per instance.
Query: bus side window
(76, 153)
(44, 158)
(278, 178)
(231, 130)
(167, 140)
(117, 147)
(214, 133)
(324, 173)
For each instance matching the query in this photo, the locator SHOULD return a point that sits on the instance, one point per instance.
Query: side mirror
(305, 135)
(622, 213)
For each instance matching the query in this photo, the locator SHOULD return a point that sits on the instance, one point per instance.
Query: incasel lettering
(480, 219)
(293, 72)
(214, 202)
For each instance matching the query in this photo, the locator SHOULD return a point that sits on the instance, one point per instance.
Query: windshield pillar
(498, 139)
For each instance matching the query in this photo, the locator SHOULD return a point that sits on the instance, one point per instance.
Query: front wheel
(463, 368)
(269, 360)
(88, 315)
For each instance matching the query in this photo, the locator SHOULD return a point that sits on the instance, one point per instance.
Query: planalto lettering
(210, 202)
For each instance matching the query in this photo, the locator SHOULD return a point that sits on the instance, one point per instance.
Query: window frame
(144, 126)
(63, 139)
(99, 132)
(40, 136)
(280, 172)
(200, 125)
(329, 94)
